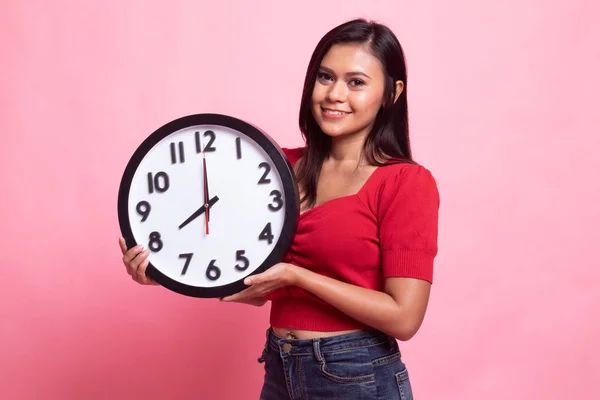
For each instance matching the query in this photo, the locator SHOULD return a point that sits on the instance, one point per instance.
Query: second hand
(207, 219)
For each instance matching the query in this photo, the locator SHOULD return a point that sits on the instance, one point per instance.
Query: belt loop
(392, 342)
(268, 341)
(261, 359)
(317, 351)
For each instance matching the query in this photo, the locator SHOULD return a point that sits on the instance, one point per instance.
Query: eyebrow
(352, 73)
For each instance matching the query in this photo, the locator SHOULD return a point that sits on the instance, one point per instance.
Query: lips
(331, 110)
(334, 114)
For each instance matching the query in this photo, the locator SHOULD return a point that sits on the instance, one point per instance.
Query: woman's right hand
(136, 262)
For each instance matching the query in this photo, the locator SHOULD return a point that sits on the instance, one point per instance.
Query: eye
(356, 82)
(323, 76)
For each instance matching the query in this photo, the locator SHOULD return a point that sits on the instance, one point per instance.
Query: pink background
(504, 112)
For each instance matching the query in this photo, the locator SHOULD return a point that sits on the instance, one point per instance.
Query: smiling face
(348, 91)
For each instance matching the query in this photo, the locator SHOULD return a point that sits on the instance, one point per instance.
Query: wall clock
(213, 198)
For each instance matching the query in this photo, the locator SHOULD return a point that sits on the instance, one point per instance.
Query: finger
(257, 302)
(132, 253)
(143, 278)
(256, 279)
(123, 245)
(262, 290)
(128, 261)
(272, 274)
(242, 296)
(135, 278)
(137, 261)
(128, 267)
(234, 297)
(226, 299)
(141, 273)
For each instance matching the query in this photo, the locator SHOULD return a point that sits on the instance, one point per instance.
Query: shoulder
(395, 176)
(404, 185)
(293, 154)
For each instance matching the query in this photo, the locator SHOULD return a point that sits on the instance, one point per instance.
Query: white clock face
(167, 212)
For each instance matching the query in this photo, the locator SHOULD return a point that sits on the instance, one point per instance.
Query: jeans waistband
(330, 344)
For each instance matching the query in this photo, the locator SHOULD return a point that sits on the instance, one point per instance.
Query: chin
(333, 131)
(334, 128)
(338, 130)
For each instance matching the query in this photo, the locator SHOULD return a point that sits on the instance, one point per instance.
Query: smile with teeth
(334, 112)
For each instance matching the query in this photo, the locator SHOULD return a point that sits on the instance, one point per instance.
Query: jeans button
(287, 347)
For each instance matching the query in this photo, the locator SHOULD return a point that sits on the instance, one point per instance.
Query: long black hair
(389, 137)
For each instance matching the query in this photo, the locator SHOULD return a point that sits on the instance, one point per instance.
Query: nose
(337, 92)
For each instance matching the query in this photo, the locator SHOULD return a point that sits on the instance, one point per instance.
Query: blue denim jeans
(357, 366)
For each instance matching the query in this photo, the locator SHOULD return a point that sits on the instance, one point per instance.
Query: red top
(388, 229)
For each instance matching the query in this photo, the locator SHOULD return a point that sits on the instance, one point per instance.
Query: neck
(347, 149)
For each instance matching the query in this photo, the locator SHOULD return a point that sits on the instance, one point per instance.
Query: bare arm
(398, 310)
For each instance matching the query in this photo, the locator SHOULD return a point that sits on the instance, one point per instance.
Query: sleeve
(408, 223)
(292, 155)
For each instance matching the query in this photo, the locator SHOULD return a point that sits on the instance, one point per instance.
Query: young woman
(358, 273)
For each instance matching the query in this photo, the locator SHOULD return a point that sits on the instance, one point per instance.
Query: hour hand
(199, 212)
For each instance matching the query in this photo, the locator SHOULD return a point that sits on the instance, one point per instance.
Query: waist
(353, 340)
(291, 333)
(310, 318)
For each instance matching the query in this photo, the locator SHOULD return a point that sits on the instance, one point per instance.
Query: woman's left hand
(278, 276)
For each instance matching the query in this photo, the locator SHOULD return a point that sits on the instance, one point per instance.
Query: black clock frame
(282, 165)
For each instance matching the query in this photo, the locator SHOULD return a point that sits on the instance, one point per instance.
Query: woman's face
(348, 91)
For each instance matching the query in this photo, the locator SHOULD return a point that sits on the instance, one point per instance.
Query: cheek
(318, 95)
(366, 102)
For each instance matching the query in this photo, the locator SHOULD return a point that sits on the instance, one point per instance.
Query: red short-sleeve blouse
(388, 229)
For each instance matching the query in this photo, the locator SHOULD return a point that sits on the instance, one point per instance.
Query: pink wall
(504, 110)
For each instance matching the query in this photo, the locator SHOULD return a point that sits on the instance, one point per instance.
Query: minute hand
(199, 212)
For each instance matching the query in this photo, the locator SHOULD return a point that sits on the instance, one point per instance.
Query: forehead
(344, 58)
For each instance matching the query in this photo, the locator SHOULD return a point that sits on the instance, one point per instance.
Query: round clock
(213, 198)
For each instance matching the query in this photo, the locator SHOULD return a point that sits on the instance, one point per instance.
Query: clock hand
(206, 193)
(199, 212)
(204, 174)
